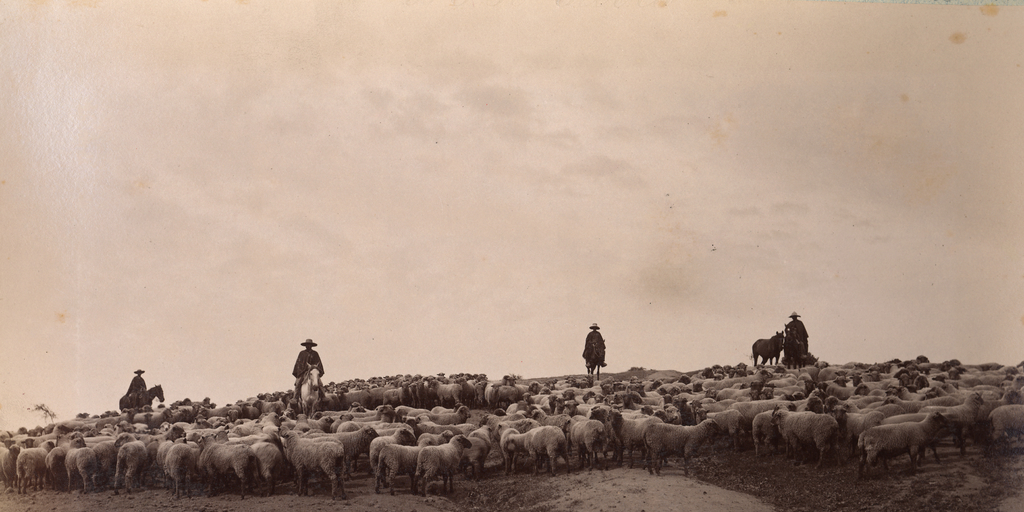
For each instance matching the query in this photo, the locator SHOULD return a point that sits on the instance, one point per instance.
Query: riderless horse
(309, 391)
(140, 399)
(768, 349)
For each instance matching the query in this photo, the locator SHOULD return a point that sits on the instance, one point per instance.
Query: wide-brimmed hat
(308, 343)
(794, 315)
(595, 327)
(139, 372)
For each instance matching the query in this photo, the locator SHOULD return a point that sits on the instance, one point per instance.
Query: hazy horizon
(194, 188)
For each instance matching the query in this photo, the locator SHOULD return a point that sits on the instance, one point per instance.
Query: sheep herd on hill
(419, 427)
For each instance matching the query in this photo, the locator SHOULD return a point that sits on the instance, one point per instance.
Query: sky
(195, 188)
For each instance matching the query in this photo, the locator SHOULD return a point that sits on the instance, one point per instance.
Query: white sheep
(960, 418)
(852, 425)
(631, 436)
(547, 443)
(308, 456)
(884, 441)
(426, 439)
(393, 460)
(662, 439)
(588, 437)
(443, 460)
(476, 455)
(181, 461)
(1007, 422)
(132, 460)
(82, 460)
(512, 443)
(31, 466)
(271, 463)
(729, 421)
(55, 467)
(764, 432)
(802, 428)
(403, 437)
(9, 465)
(217, 458)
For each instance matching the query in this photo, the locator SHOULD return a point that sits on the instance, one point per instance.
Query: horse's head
(157, 391)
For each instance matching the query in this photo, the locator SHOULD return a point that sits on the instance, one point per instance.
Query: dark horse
(594, 355)
(768, 349)
(141, 399)
(795, 351)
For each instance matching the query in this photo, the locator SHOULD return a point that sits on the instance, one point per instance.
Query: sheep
(960, 418)
(435, 439)
(356, 443)
(106, 459)
(180, 461)
(216, 458)
(799, 428)
(512, 443)
(588, 437)
(729, 422)
(270, 461)
(476, 455)
(132, 460)
(395, 459)
(308, 456)
(1007, 421)
(661, 439)
(764, 432)
(884, 441)
(631, 436)
(852, 425)
(440, 460)
(461, 415)
(403, 437)
(55, 467)
(546, 443)
(8, 465)
(84, 461)
(31, 466)
(434, 428)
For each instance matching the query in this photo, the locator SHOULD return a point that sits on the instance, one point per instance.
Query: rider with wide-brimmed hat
(594, 346)
(138, 383)
(307, 358)
(797, 330)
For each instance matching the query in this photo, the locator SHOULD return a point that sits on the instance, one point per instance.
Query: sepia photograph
(511, 255)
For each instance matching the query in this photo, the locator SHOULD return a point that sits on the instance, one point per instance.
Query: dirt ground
(720, 479)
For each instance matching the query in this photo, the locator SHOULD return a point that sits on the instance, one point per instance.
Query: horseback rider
(594, 345)
(797, 330)
(138, 385)
(307, 359)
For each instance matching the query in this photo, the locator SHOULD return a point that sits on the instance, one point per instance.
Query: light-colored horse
(309, 394)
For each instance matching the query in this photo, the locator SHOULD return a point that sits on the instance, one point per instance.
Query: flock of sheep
(419, 427)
